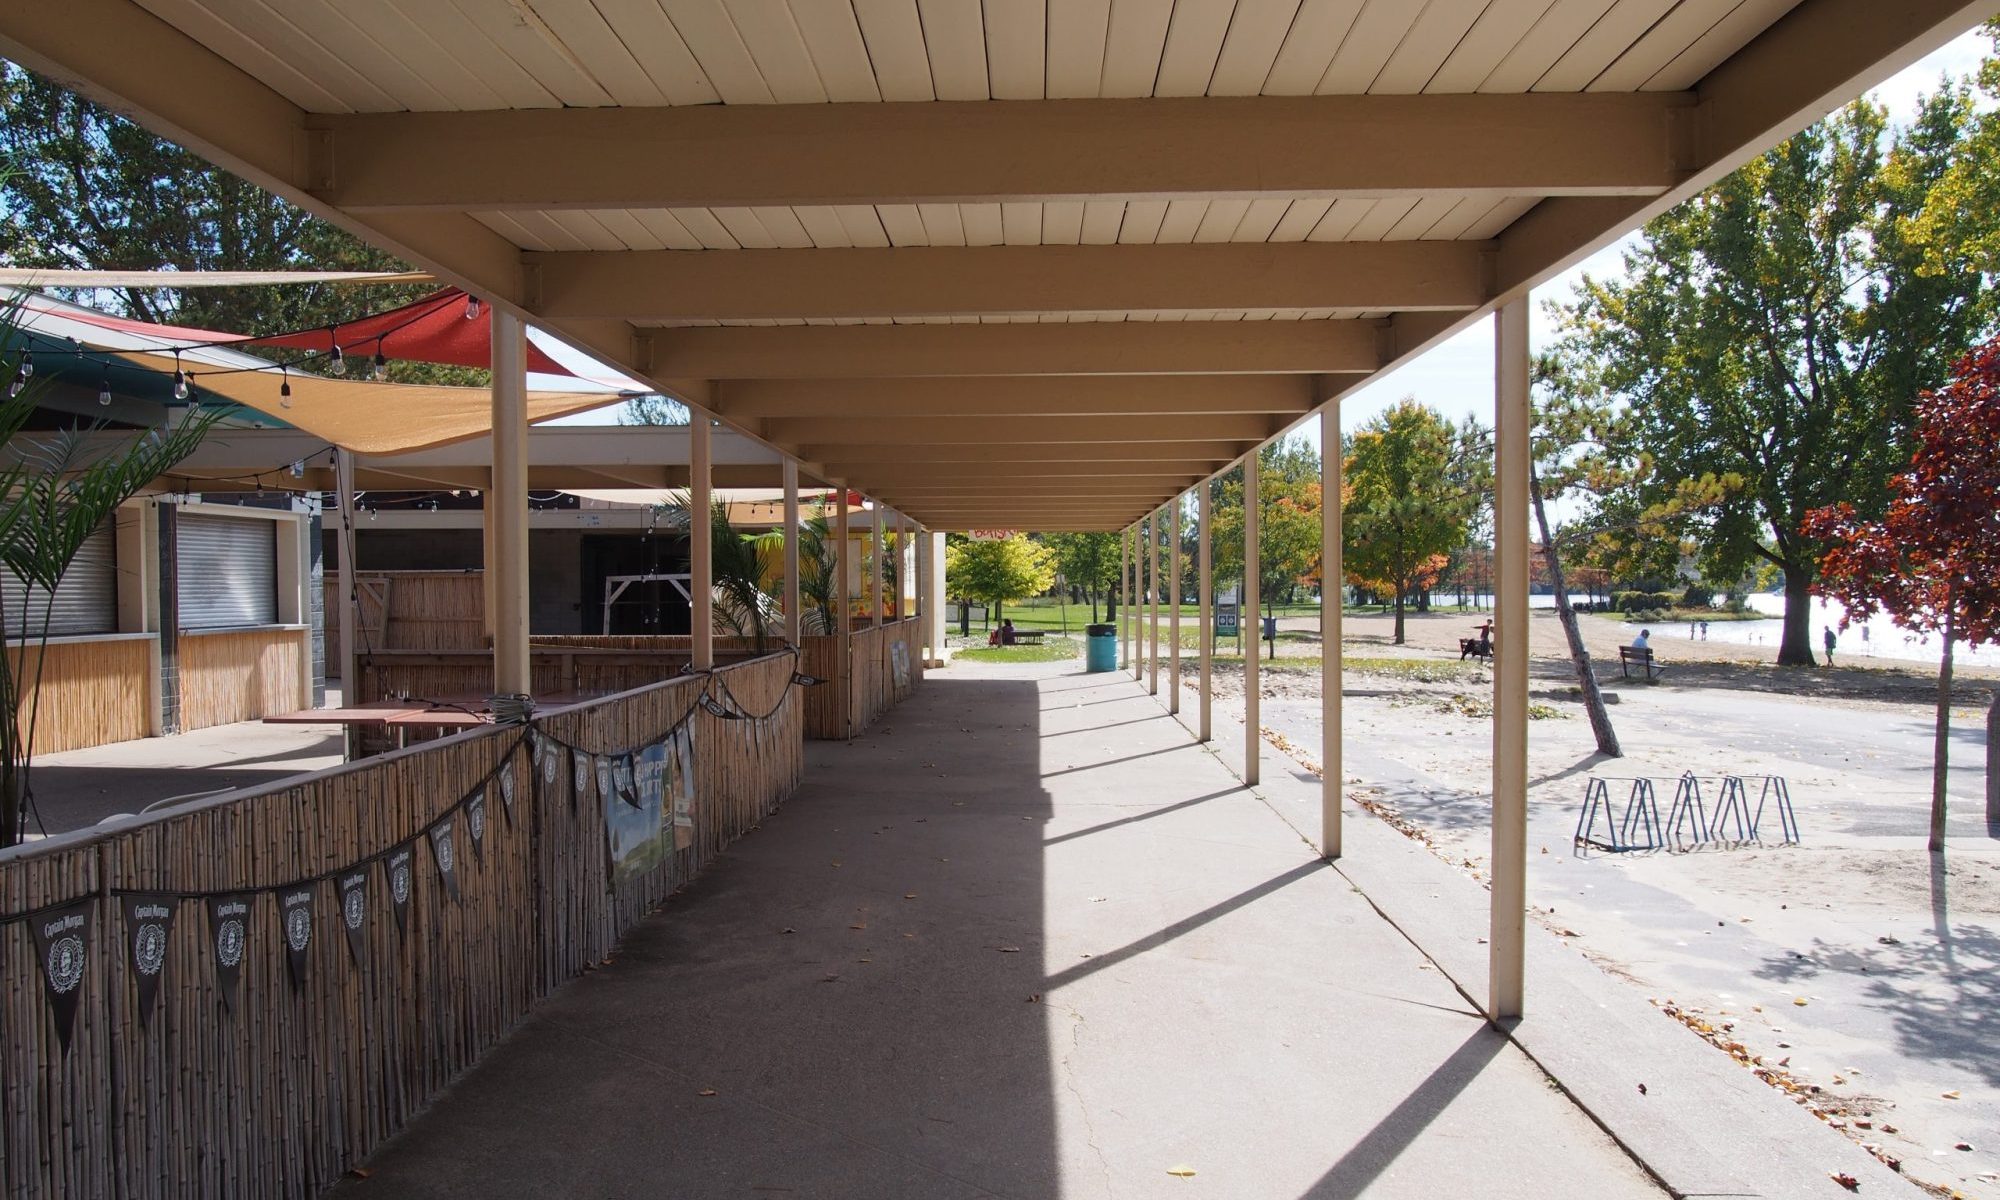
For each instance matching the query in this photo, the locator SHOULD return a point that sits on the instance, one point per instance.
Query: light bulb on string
(27, 364)
(336, 362)
(473, 308)
(16, 387)
(104, 389)
(381, 363)
(180, 378)
(285, 389)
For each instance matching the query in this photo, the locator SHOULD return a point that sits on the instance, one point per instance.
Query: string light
(27, 364)
(20, 382)
(299, 469)
(180, 378)
(473, 308)
(336, 363)
(285, 389)
(104, 389)
(381, 363)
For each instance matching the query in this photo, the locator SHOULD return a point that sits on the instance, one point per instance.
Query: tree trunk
(1586, 679)
(1399, 615)
(1993, 760)
(1795, 650)
(1941, 746)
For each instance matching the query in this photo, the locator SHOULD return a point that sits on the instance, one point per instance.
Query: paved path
(1024, 939)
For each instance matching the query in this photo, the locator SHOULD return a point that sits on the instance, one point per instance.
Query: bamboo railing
(301, 1080)
(242, 674)
(93, 691)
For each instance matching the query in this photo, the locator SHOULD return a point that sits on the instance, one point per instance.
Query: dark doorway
(642, 608)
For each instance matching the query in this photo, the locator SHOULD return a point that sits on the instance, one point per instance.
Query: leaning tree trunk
(1579, 657)
(1941, 748)
(1795, 648)
(1993, 760)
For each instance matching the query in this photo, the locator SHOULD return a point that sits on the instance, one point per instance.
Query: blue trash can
(1100, 644)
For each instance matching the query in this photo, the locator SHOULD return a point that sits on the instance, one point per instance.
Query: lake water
(1878, 638)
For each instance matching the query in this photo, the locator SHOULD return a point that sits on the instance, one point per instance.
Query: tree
(1932, 560)
(1000, 570)
(1771, 331)
(1089, 561)
(1288, 500)
(1406, 511)
(88, 189)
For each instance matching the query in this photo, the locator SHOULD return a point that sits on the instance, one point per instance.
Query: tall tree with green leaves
(1771, 333)
(1408, 503)
(1088, 561)
(999, 570)
(1288, 496)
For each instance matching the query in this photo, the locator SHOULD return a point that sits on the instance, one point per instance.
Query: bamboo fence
(92, 692)
(240, 675)
(426, 610)
(301, 1081)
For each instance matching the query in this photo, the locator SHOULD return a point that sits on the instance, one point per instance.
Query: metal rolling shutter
(228, 571)
(86, 599)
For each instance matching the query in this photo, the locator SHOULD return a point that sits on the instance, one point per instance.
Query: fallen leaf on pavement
(1185, 1172)
(1845, 1180)
(706, 1092)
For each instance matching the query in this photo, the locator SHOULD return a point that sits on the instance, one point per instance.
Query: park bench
(1643, 657)
(1029, 637)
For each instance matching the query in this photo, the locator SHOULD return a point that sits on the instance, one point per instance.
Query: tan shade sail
(371, 418)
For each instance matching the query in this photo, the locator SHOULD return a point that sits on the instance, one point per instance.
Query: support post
(794, 614)
(350, 582)
(1153, 604)
(701, 543)
(1332, 771)
(934, 601)
(1510, 659)
(1174, 608)
(1205, 617)
(874, 590)
(1126, 625)
(511, 673)
(1251, 615)
(844, 651)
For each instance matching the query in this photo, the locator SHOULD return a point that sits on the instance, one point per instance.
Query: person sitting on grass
(1003, 636)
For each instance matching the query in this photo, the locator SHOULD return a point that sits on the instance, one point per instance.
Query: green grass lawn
(1053, 650)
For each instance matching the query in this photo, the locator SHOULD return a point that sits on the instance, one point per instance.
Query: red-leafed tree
(1933, 561)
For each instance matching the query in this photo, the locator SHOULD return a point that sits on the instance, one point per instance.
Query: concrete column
(934, 600)
(844, 630)
(701, 543)
(1125, 595)
(901, 557)
(350, 586)
(1153, 604)
(874, 590)
(794, 614)
(1252, 616)
(511, 672)
(1174, 609)
(1330, 665)
(1205, 618)
(1511, 420)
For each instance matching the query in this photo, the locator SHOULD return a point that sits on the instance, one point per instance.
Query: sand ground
(1853, 968)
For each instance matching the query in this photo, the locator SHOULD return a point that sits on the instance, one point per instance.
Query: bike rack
(1690, 822)
(1641, 816)
(1732, 806)
(1690, 809)
(1774, 791)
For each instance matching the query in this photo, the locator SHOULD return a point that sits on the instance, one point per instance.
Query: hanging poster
(623, 780)
(445, 851)
(295, 918)
(353, 888)
(401, 868)
(62, 941)
(229, 931)
(683, 785)
(475, 826)
(148, 921)
(635, 829)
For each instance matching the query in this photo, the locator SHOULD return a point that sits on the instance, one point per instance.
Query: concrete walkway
(1024, 939)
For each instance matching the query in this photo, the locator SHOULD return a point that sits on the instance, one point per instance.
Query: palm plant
(818, 560)
(55, 491)
(739, 566)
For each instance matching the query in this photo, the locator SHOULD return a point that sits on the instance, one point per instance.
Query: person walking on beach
(1704, 631)
(1827, 637)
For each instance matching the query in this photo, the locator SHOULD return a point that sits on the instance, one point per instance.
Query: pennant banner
(624, 780)
(353, 888)
(804, 680)
(475, 826)
(445, 851)
(295, 918)
(62, 942)
(681, 765)
(148, 921)
(579, 779)
(507, 789)
(603, 769)
(401, 868)
(229, 930)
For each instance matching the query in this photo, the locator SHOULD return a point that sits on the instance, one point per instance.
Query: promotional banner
(899, 665)
(445, 851)
(62, 941)
(229, 931)
(295, 917)
(475, 826)
(401, 868)
(148, 921)
(353, 889)
(635, 830)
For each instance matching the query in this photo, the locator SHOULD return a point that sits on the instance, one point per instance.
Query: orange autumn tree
(1932, 562)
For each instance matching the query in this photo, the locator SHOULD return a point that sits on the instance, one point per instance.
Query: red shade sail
(434, 329)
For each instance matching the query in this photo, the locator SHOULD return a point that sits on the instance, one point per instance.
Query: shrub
(1697, 596)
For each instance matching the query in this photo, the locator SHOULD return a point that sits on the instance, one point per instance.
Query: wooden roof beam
(951, 153)
(1059, 395)
(915, 433)
(675, 285)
